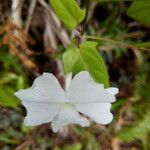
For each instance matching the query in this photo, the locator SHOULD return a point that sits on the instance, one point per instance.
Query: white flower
(47, 102)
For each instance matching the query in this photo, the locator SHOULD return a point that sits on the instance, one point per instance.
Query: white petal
(68, 116)
(44, 89)
(99, 112)
(39, 113)
(84, 90)
(112, 90)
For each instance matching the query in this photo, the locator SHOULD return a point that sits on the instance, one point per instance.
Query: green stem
(118, 43)
(107, 40)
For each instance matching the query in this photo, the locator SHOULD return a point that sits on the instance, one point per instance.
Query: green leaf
(7, 140)
(7, 78)
(7, 98)
(86, 58)
(68, 12)
(93, 62)
(140, 10)
(69, 59)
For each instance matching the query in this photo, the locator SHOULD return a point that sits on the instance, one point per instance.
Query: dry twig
(30, 14)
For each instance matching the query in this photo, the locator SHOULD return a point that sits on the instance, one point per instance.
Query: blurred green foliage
(140, 11)
(12, 78)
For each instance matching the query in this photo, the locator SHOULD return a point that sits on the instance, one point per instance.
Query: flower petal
(39, 113)
(68, 116)
(83, 89)
(112, 90)
(99, 112)
(45, 88)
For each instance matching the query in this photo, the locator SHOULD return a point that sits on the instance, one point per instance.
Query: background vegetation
(35, 44)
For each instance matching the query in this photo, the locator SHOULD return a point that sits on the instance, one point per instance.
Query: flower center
(67, 105)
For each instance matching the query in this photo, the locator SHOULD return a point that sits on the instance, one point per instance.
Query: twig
(15, 37)
(49, 36)
(117, 126)
(135, 34)
(29, 143)
(56, 25)
(16, 8)
(30, 14)
(115, 144)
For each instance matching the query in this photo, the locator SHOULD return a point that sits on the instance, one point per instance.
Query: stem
(105, 39)
(30, 14)
(120, 44)
(68, 80)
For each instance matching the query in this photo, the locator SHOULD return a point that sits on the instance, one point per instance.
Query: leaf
(69, 59)
(7, 99)
(7, 140)
(140, 10)
(86, 58)
(93, 62)
(7, 78)
(68, 12)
